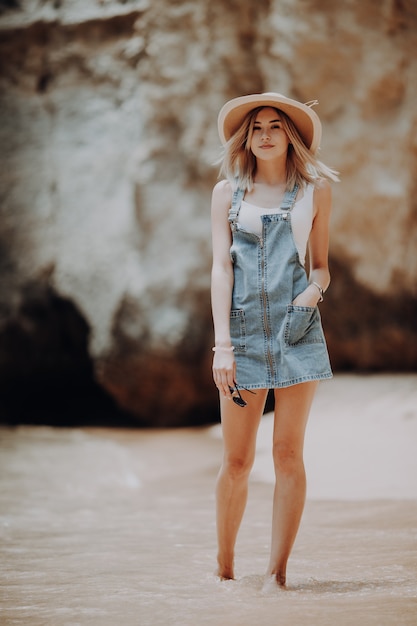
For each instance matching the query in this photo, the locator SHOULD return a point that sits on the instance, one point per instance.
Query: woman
(274, 201)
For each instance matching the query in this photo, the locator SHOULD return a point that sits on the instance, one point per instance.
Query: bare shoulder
(220, 206)
(222, 194)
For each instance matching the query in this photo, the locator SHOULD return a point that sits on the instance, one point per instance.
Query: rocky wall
(108, 136)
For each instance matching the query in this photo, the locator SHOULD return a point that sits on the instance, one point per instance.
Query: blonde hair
(238, 163)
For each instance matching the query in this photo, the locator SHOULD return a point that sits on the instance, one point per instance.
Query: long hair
(238, 164)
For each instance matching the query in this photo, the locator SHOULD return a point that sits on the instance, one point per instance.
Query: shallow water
(106, 526)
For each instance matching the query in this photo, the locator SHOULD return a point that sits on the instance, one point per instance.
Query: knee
(237, 468)
(287, 458)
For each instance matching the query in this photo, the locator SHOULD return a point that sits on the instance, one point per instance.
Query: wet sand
(105, 527)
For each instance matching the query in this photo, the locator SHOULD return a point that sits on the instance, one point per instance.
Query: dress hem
(286, 383)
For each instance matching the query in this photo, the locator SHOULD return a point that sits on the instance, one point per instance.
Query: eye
(274, 126)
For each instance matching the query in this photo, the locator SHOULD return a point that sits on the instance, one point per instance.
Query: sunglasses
(236, 397)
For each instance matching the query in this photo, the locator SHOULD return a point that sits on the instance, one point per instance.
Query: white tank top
(301, 219)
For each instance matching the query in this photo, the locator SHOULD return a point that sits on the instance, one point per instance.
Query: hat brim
(304, 118)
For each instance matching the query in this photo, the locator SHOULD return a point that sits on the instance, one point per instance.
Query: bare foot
(225, 574)
(273, 583)
(225, 567)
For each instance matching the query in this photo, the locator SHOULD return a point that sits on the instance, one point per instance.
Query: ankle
(225, 571)
(272, 585)
(280, 577)
(225, 574)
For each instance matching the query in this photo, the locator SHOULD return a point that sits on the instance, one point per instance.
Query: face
(269, 140)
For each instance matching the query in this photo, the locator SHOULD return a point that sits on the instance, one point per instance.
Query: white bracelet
(230, 349)
(319, 288)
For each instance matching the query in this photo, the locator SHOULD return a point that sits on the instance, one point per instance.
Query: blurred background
(108, 137)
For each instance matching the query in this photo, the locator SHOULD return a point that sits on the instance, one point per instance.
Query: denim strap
(235, 207)
(288, 200)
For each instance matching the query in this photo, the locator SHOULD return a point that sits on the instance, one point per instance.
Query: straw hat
(305, 119)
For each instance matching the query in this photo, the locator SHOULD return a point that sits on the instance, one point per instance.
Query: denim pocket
(302, 325)
(238, 330)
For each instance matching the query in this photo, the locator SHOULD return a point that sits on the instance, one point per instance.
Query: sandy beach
(116, 526)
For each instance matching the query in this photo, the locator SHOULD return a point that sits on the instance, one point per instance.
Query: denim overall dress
(276, 344)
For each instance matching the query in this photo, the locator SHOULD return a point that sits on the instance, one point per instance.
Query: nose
(265, 135)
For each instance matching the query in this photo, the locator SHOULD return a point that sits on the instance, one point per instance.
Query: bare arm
(318, 246)
(224, 368)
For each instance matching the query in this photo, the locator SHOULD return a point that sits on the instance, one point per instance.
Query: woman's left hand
(309, 297)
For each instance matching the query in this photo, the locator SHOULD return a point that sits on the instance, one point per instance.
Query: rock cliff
(108, 135)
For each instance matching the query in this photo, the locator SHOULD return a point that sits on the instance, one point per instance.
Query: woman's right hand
(224, 370)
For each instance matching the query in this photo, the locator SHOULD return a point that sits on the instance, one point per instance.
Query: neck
(271, 172)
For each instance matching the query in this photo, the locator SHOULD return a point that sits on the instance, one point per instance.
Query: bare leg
(292, 407)
(239, 426)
